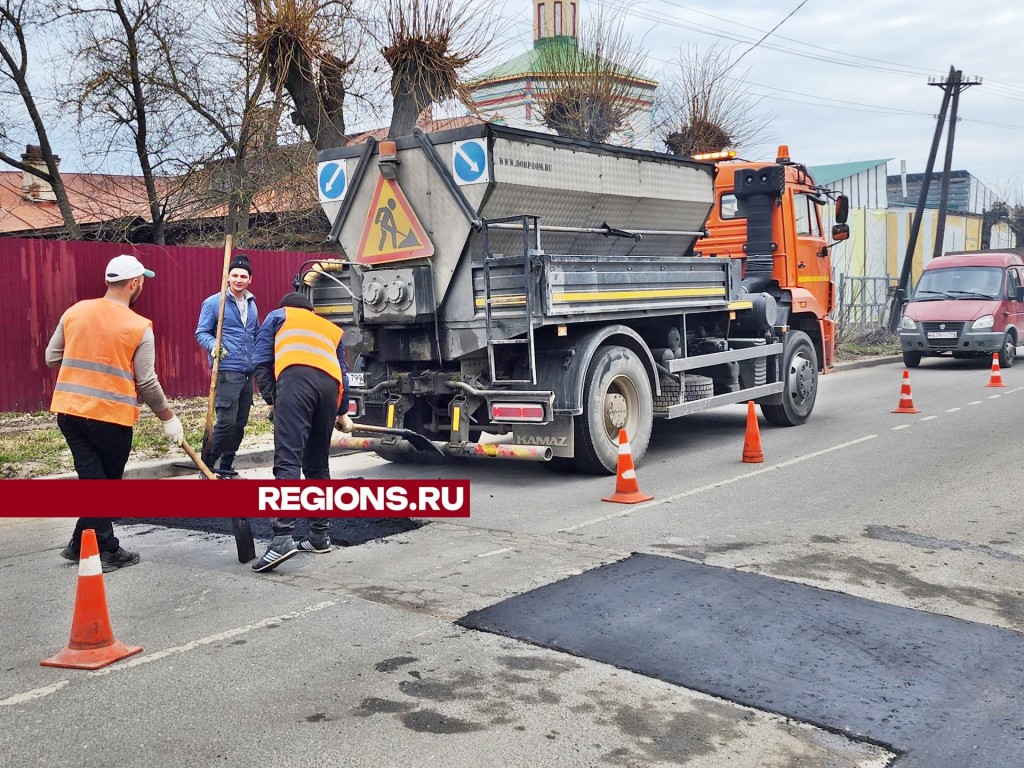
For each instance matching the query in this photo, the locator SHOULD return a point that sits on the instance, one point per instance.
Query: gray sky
(848, 81)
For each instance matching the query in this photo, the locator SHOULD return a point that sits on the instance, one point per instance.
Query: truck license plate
(942, 335)
(357, 380)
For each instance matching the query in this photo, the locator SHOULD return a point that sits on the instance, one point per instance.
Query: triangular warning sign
(391, 231)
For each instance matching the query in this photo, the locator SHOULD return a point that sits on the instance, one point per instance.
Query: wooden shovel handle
(198, 461)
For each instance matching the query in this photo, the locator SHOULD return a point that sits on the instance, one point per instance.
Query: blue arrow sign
(332, 180)
(469, 161)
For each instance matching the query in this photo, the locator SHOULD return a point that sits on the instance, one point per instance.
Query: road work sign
(391, 231)
(469, 162)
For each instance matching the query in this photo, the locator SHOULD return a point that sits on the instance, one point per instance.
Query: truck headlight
(906, 324)
(983, 322)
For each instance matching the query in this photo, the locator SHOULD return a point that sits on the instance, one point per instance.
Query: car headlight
(983, 322)
(906, 324)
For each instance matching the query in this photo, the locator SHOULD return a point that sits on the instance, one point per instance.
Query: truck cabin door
(813, 264)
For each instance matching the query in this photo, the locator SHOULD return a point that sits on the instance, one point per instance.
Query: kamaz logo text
(542, 440)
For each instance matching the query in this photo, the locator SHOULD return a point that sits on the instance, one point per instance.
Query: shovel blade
(244, 543)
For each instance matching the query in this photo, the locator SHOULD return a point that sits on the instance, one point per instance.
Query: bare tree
(705, 108)
(224, 85)
(428, 44)
(588, 87)
(15, 19)
(297, 41)
(119, 59)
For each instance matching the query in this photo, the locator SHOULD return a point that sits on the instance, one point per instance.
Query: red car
(966, 304)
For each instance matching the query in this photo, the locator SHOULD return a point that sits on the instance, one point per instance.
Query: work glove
(270, 415)
(174, 431)
(344, 423)
(219, 353)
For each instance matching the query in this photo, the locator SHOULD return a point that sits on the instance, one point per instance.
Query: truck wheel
(800, 377)
(616, 395)
(911, 359)
(1008, 353)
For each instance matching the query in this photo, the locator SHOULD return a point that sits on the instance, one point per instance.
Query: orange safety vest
(97, 377)
(307, 339)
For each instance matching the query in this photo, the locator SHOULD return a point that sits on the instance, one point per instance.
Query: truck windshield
(960, 283)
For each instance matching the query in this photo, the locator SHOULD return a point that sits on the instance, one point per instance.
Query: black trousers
(100, 451)
(232, 404)
(305, 408)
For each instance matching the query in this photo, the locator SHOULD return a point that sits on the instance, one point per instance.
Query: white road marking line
(993, 397)
(927, 418)
(901, 426)
(719, 484)
(35, 693)
(952, 410)
(497, 552)
(975, 402)
(135, 661)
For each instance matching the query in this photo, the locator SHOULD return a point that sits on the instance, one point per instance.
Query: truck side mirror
(842, 211)
(1020, 293)
(840, 232)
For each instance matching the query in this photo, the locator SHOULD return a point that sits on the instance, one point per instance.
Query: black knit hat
(241, 261)
(296, 300)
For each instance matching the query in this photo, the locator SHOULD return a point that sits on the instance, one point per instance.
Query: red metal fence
(45, 277)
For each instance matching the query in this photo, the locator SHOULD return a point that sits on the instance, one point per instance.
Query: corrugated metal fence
(42, 278)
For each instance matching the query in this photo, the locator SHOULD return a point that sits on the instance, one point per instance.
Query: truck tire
(800, 376)
(1008, 352)
(616, 395)
(911, 359)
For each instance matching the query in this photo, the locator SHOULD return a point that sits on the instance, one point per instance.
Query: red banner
(235, 498)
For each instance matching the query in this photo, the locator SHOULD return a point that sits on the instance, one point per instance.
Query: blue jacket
(263, 360)
(238, 341)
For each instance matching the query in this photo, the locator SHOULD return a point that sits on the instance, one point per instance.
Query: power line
(767, 34)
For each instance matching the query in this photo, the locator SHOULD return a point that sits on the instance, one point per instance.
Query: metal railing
(861, 302)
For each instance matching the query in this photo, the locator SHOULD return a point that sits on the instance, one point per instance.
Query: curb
(160, 469)
(868, 363)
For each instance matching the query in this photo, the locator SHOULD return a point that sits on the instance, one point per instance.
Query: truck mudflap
(403, 450)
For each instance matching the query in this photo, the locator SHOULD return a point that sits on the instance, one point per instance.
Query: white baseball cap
(125, 267)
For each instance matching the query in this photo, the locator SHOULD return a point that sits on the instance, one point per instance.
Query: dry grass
(32, 446)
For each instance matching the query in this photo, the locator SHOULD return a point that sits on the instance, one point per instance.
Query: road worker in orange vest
(105, 353)
(300, 367)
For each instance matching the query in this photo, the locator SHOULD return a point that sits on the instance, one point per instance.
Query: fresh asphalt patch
(939, 691)
(345, 531)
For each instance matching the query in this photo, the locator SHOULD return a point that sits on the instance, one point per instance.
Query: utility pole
(951, 86)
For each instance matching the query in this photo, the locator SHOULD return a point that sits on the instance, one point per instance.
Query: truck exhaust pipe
(466, 450)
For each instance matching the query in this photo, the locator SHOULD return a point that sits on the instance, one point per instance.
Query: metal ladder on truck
(530, 227)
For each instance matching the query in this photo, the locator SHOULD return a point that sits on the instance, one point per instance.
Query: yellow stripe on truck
(813, 279)
(333, 309)
(649, 293)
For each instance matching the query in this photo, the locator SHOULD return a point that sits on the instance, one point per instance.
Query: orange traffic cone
(752, 440)
(997, 379)
(906, 401)
(626, 489)
(92, 641)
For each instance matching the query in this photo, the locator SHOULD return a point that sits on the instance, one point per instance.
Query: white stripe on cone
(90, 566)
(624, 449)
(629, 474)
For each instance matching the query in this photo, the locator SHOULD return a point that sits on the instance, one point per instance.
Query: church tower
(554, 18)
(508, 93)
